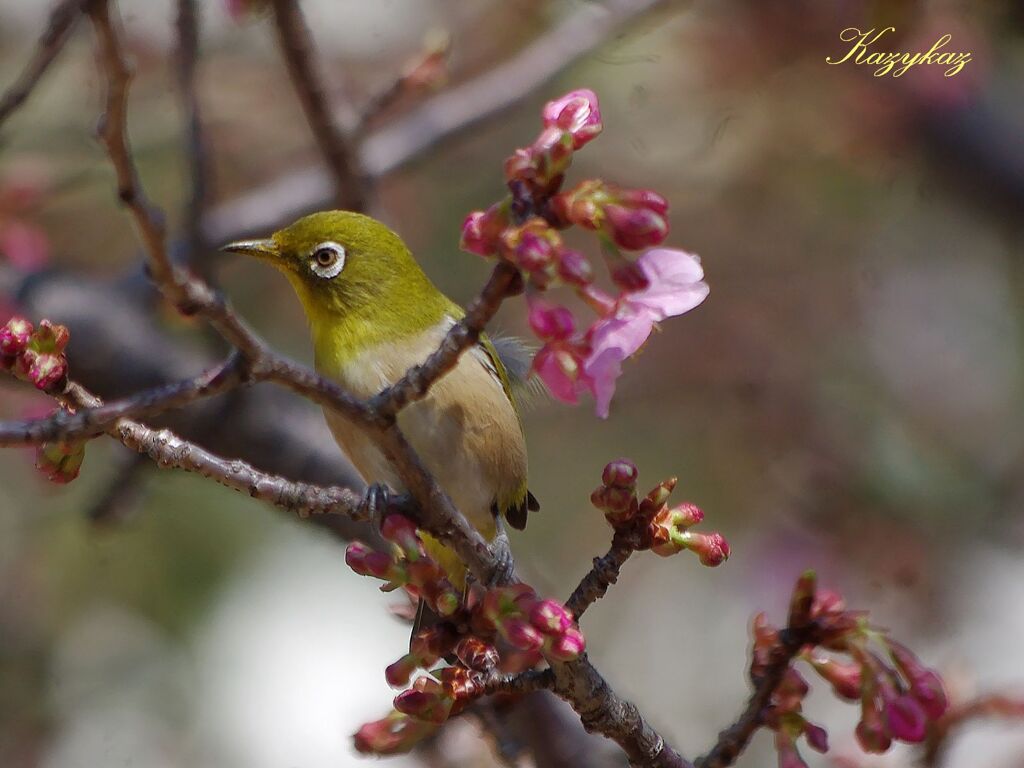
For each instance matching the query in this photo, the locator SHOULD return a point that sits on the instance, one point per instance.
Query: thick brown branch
(58, 30)
(170, 451)
(520, 682)
(297, 47)
(605, 572)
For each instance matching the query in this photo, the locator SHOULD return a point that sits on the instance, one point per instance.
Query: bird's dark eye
(327, 259)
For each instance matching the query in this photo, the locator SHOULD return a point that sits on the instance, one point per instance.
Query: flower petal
(547, 366)
(676, 284)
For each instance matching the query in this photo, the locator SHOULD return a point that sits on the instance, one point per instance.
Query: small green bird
(373, 314)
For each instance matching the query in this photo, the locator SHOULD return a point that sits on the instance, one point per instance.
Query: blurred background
(849, 398)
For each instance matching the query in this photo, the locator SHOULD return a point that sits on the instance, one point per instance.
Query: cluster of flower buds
(60, 461)
(663, 529)
(633, 219)
(898, 698)
(408, 566)
(523, 229)
(35, 354)
(469, 633)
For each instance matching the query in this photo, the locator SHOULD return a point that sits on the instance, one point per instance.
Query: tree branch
(296, 45)
(51, 42)
(984, 707)
(602, 575)
(441, 117)
(186, 57)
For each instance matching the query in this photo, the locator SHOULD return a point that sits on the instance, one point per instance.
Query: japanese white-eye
(373, 314)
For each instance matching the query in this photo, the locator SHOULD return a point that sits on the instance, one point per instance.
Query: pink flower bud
(618, 504)
(630, 277)
(817, 737)
(686, 515)
(400, 530)
(550, 323)
(621, 473)
(14, 337)
(659, 494)
(574, 268)
(45, 370)
(395, 734)
(925, 685)
(521, 634)
(542, 163)
(476, 654)
(60, 461)
(565, 647)
(550, 617)
(430, 705)
(481, 230)
(635, 228)
(368, 562)
(711, 548)
(50, 338)
(398, 674)
(906, 719)
(844, 678)
(577, 112)
(459, 683)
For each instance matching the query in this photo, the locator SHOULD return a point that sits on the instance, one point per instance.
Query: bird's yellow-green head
(356, 280)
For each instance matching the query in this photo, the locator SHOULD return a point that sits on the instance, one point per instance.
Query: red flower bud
(430, 704)
(550, 617)
(481, 230)
(817, 737)
(574, 267)
(368, 562)
(398, 674)
(395, 734)
(459, 683)
(60, 461)
(521, 634)
(46, 371)
(50, 337)
(565, 647)
(630, 277)
(578, 112)
(634, 228)
(844, 678)
(618, 504)
(476, 654)
(906, 719)
(711, 548)
(550, 323)
(14, 337)
(925, 685)
(621, 473)
(400, 530)
(658, 496)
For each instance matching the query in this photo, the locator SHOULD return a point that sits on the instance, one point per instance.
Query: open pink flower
(676, 286)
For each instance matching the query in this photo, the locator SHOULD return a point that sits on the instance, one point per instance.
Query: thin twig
(297, 47)
(987, 706)
(92, 421)
(801, 631)
(450, 113)
(186, 57)
(51, 42)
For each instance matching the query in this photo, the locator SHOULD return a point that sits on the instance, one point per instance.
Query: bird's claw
(501, 550)
(375, 503)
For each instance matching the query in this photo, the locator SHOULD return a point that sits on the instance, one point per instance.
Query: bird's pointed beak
(261, 249)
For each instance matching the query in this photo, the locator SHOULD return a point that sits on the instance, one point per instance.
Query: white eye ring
(327, 259)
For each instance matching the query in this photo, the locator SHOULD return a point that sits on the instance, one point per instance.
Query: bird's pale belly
(465, 431)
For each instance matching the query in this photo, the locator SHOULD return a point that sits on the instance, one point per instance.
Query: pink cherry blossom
(578, 112)
(676, 286)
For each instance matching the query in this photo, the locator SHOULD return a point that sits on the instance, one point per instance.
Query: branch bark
(296, 43)
(58, 31)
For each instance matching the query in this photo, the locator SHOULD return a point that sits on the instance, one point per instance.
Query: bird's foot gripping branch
(504, 638)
